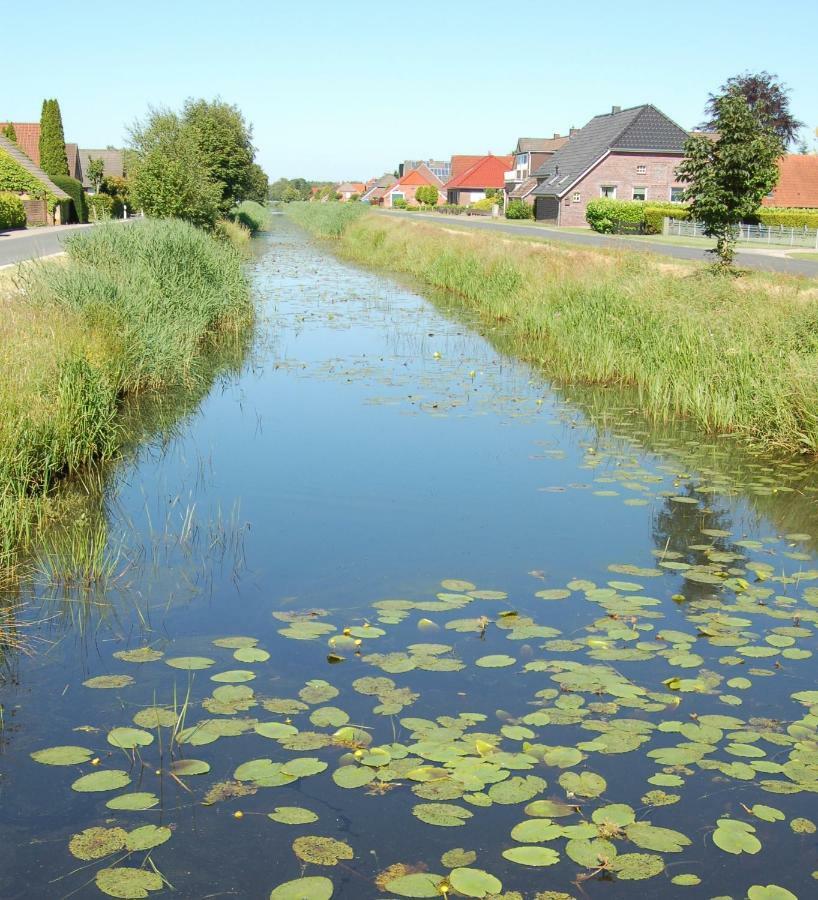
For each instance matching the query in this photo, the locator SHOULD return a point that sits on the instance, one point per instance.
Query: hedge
(101, 206)
(656, 213)
(12, 211)
(787, 216)
(75, 191)
(603, 214)
(15, 178)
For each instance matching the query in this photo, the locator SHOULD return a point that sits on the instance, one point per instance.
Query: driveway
(747, 259)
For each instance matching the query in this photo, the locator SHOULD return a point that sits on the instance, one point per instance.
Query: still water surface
(376, 501)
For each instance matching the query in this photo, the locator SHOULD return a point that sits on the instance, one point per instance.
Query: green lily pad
(292, 815)
(446, 815)
(328, 717)
(457, 858)
(233, 676)
(353, 776)
(275, 730)
(251, 655)
(146, 837)
(323, 851)
(155, 717)
(589, 853)
(495, 661)
(140, 655)
(651, 837)
(532, 856)
(312, 887)
(62, 756)
(517, 789)
(418, 884)
(767, 813)
(182, 767)
(770, 892)
(128, 883)
(535, 831)
(303, 767)
(96, 843)
(803, 826)
(105, 780)
(686, 880)
(616, 813)
(735, 837)
(235, 643)
(190, 663)
(637, 866)
(109, 682)
(474, 882)
(129, 738)
(136, 801)
(583, 784)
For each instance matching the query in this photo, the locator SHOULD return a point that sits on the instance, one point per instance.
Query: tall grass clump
(130, 308)
(252, 215)
(731, 354)
(326, 219)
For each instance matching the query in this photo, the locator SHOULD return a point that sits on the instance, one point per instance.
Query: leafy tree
(96, 173)
(10, 133)
(291, 194)
(766, 96)
(729, 176)
(427, 194)
(168, 177)
(226, 147)
(53, 158)
(258, 185)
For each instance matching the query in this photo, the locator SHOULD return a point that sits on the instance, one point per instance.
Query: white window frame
(641, 169)
(576, 197)
(642, 190)
(603, 188)
(675, 188)
(396, 195)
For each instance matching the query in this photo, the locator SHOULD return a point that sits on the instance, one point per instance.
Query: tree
(10, 133)
(427, 195)
(96, 173)
(226, 147)
(290, 194)
(168, 174)
(258, 184)
(766, 96)
(53, 158)
(729, 176)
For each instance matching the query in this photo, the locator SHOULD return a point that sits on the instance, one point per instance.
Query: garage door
(547, 209)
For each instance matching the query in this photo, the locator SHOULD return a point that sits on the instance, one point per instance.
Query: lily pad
(129, 738)
(446, 815)
(495, 661)
(105, 780)
(146, 837)
(458, 857)
(190, 663)
(474, 882)
(182, 767)
(532, 856)
(637, 866)
(138, 800)
(313, 887)
(353, 776)
(140, 655)
(418, 884)
(323, 851)
(128, 883)
(770, 892)
(233, 676)
(96, 843)
(251, 655)
(109, 682)
(62, 756)
(292, 815)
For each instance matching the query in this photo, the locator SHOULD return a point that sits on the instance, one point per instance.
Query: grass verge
(129, 309)
(732, 354)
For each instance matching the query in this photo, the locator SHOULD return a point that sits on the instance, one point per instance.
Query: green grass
(253, 216)
(732, 354)
(128, 310)
(326, 219)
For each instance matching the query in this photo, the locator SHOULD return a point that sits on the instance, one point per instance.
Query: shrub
(427, 195)
(100, 206)
(453, 209)
(13, 177)
(74, 189)
(655, 213)
(12, 211)
(400, 203)
(486, 203)
(603, 214)
(53, 158)
(519, 209)
(789, 217)
(234, 232)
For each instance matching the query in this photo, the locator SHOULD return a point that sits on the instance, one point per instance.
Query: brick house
(376, 188)
(349, 189)
(471, 185)
(629, 154)
(404, 188)
(797, 182)
(35, 202)
(529, 155)
(28, 140)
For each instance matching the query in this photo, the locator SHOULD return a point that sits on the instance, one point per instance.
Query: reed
(733, 355)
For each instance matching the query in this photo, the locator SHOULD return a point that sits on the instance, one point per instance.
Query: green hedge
(75, 191)
(655, 214)
(603, 214)
(102, 206)
(787, 216)
(12, 211)
(13, 177)
(519, 209)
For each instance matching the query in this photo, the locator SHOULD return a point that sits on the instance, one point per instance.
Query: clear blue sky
(348, 89)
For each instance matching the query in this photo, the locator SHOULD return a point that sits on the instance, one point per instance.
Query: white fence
(774, 235)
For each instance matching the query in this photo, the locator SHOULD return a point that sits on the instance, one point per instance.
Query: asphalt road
(751, 260)
(16, 246)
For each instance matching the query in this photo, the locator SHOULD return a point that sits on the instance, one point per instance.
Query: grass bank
(735, 355)
(129, 309)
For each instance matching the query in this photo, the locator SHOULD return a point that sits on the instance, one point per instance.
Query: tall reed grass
(731, 354)
(129, 309)
(326, 219)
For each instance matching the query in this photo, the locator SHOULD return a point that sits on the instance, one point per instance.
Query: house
(442, 168)
(404, 188)
(43, 201)
(797, 182)
(460, 163)
(529, 155)
(113, 164)
(377, 188)
(350, 189)
(488, 172)
(28, 140)
(627, 154)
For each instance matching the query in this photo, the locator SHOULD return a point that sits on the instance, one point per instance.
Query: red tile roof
(797, 182)
(417, 177)
(461, 163)
(487, 172)
(28, 139)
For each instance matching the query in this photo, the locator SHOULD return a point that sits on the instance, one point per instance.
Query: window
(642, 170)
(676, 194)
(522, 160)
(640, 193)
(608, 190)
(397, 196)
(576, 197)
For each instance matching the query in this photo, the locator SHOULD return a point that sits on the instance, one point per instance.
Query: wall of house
(408, 191)
(465, 197)
(619, 170)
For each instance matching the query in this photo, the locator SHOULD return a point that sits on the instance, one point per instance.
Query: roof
(523, 189)
(378, 187)
(351, 187)
(488, 172)
(72, 155)
(461, 163)
(18, 156)
(113, 163)
(419, 176)
(28, 139)
(541, 145)
(797, 182)
(642, 128)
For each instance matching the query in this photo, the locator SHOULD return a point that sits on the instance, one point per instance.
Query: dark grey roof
(113, 163)
(638, 128)
(19, 157)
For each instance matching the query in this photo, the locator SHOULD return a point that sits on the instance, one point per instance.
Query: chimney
(615, 110)
(572, 131)
(556, 135)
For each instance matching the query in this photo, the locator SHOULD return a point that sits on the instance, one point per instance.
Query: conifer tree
(53, 158)
(10, 133)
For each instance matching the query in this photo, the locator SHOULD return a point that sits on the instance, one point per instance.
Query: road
(753, 259)
(16, 246)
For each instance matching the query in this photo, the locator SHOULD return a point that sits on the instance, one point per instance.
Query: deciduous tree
(96, 173)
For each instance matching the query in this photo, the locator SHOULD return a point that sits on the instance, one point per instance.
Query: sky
(347, 90)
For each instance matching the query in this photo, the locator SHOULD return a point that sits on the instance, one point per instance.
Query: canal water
(386, 614)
